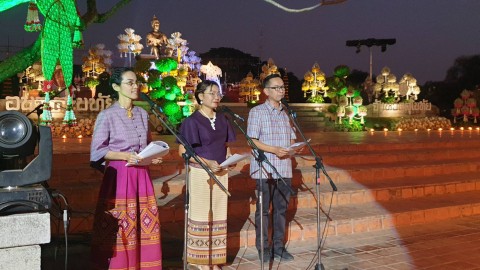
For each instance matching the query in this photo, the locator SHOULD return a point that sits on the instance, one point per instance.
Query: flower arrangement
(91, 82)
(424, 123)
(84, 128)
(315, 99)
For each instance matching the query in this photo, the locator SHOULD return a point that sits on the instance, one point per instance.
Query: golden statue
(158, 41)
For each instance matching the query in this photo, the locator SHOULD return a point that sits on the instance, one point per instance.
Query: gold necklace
(212, 120)
(129, 111)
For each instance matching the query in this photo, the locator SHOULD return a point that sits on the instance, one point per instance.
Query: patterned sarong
(126, 228)
(207, 219)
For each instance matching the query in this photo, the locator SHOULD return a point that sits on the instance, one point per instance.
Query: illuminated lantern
(357, 101)
(465, 111)
(362, 112)
(465, 94)
(475, 113)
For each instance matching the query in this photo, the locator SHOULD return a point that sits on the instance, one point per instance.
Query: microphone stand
(318, 166)
(260, 158)
(189, 153)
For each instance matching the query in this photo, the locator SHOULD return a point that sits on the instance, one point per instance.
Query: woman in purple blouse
(208, 132)
(126, 228)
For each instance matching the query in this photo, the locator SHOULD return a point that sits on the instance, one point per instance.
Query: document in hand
(234, 159)
(294, 147)
(153, 150)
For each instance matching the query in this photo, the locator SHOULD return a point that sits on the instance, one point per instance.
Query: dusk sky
(430, 34)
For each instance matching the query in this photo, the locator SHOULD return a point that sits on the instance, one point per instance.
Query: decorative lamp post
(129, 44)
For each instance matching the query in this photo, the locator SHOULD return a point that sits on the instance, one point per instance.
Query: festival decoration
(46, 117)
(423, 123)
(77, 33)
(177, 44)
(268, 69)
(465, 107)
(61, 20)
(97, 61)
(129, 44)
(349, 109)
(250, 88)
(314, 81)
(33, 22)
(212, 73)
(386, 85)
(193, 61)
(166, 65)
(408, 87)
(69, 118)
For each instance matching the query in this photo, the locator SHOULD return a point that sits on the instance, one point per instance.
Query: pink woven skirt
(126, 229)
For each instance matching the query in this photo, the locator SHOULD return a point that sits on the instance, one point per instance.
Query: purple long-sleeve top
(114, 131)
(207, 142)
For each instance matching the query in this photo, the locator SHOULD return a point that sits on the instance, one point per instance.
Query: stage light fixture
(18, 136)
(22, 183)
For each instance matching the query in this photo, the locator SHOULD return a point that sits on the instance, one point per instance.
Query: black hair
(202, 87)
(117, 73)
(116, 78)
(269, 77)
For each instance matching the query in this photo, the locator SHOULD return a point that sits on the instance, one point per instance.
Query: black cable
(56, 194)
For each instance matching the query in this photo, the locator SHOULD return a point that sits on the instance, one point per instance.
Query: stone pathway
(452, 244)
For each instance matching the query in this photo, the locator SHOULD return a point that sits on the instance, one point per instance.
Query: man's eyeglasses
(131, 84)
(219, 95)
(280, 88)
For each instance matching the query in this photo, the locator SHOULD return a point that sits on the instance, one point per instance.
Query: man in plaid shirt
(271, 130)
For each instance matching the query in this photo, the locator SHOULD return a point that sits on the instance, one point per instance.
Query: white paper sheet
(294, 147)
(234, 159)
(153, 150)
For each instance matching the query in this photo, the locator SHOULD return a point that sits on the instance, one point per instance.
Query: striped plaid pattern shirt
(271, 126)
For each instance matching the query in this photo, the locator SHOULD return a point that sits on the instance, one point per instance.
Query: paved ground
(452, 244)
(446, 245)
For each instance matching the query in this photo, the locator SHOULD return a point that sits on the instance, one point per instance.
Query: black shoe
(267, 255)
(282, 255)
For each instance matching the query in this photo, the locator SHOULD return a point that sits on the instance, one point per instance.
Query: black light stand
(318, 166)
(189, 153)
(260, 158)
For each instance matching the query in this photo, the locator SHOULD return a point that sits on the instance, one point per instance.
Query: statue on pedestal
(158, 41)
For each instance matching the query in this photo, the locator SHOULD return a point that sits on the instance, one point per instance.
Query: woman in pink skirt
(126, 228)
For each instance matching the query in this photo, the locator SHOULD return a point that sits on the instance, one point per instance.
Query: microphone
(150, 101)
(232, 114)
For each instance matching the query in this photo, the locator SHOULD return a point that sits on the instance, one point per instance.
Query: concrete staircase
(384, 181)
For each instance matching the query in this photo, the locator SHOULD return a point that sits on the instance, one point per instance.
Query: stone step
(353, 219)
(406, 179)
(172, 204)
(370, 174)
(78, 168)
